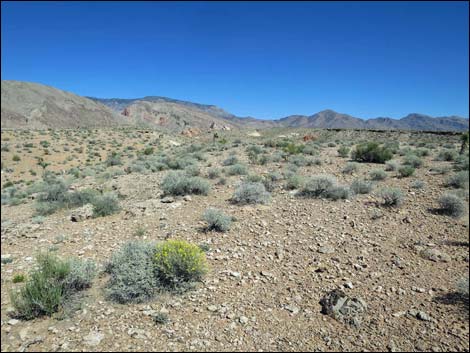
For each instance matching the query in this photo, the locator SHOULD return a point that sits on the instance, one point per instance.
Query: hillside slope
(36, 106)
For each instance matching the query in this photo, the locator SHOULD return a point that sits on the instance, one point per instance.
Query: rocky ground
(267, 275)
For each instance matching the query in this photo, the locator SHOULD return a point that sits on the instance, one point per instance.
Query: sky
(262, 59)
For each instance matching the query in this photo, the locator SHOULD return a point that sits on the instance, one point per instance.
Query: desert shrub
(237, 169)
(231, 160)
(213, 173)
(178, 262)
(447, 155)
(463, 286)
(350, 168)
(371, 152)
(462, 162)
(148, 151)
(459, 180)
(452, 205)
(254, 178)
(378, 174)
(113, 159)
(18, 278)
(38, 220)
(299, 161)
(16, 158)
(391, 166)
(324, 186)
(413, 161)
(292, 148)
(133, 276)
(192, 170)
(178, 183)
(50, 285)
(418, 184)
(251, 193)
(293, 181)
(391, 197)
(105, 205)
(406, 171)
(217, 220)
(361, 186)
(440, 170)
(422, 152)
(343, 151)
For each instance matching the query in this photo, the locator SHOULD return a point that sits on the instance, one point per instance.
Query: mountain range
(36, 106)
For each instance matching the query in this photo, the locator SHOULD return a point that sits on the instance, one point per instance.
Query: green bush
(105, 205)
(459, 180)
(324, 186)
(133, 276)
(413, 161)
(178, 262)
(406, 171)
(451, 205)
(178, 183)
(213, 173)
(447, 155)
(391, 197)
(378, 174)
(251, 193)
(343, 151)
(50, 285)
(293, 182)
(237, 169)
(391, 166)
(418, 184)
(18, 278)
(217, 220)
(361, 186)
(350, 168)
(371, 152)
(231, 160)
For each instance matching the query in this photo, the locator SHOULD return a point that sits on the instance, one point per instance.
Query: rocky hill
(32, 105)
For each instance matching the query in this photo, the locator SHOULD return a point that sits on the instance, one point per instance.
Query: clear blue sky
(266, 60)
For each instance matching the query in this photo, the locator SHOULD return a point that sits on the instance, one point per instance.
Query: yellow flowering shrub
(178, 261)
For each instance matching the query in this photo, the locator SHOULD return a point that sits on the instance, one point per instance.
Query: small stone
(168, 199)
(212, 308)
(13, 322)
(187, 198)
(93, 338)
(326, 249)
(293, 309)
(435, 255)
(243, 320)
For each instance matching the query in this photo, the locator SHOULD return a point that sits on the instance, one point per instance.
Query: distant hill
(32, 105)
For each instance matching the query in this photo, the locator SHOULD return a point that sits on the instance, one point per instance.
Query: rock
(82, 213)
(293, 309)
(343, 308)
(168, 199)
(187, 198)
(6, 259)
(212, 308)
(420, 315)
(326, 249)
(93, 338)
(137, 333)
(243, 320)
(13, 322)
(24, 333)
(435, 255)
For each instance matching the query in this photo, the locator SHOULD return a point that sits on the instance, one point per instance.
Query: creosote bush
(452, 205)
(178, 262)
(178, 183)
(371, 152)
(50, 285)
(251, 193)
(217, 220)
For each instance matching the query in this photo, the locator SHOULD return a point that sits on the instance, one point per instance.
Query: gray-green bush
(452, 205)
(251, 193)
(217, 220)
(178, 183)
